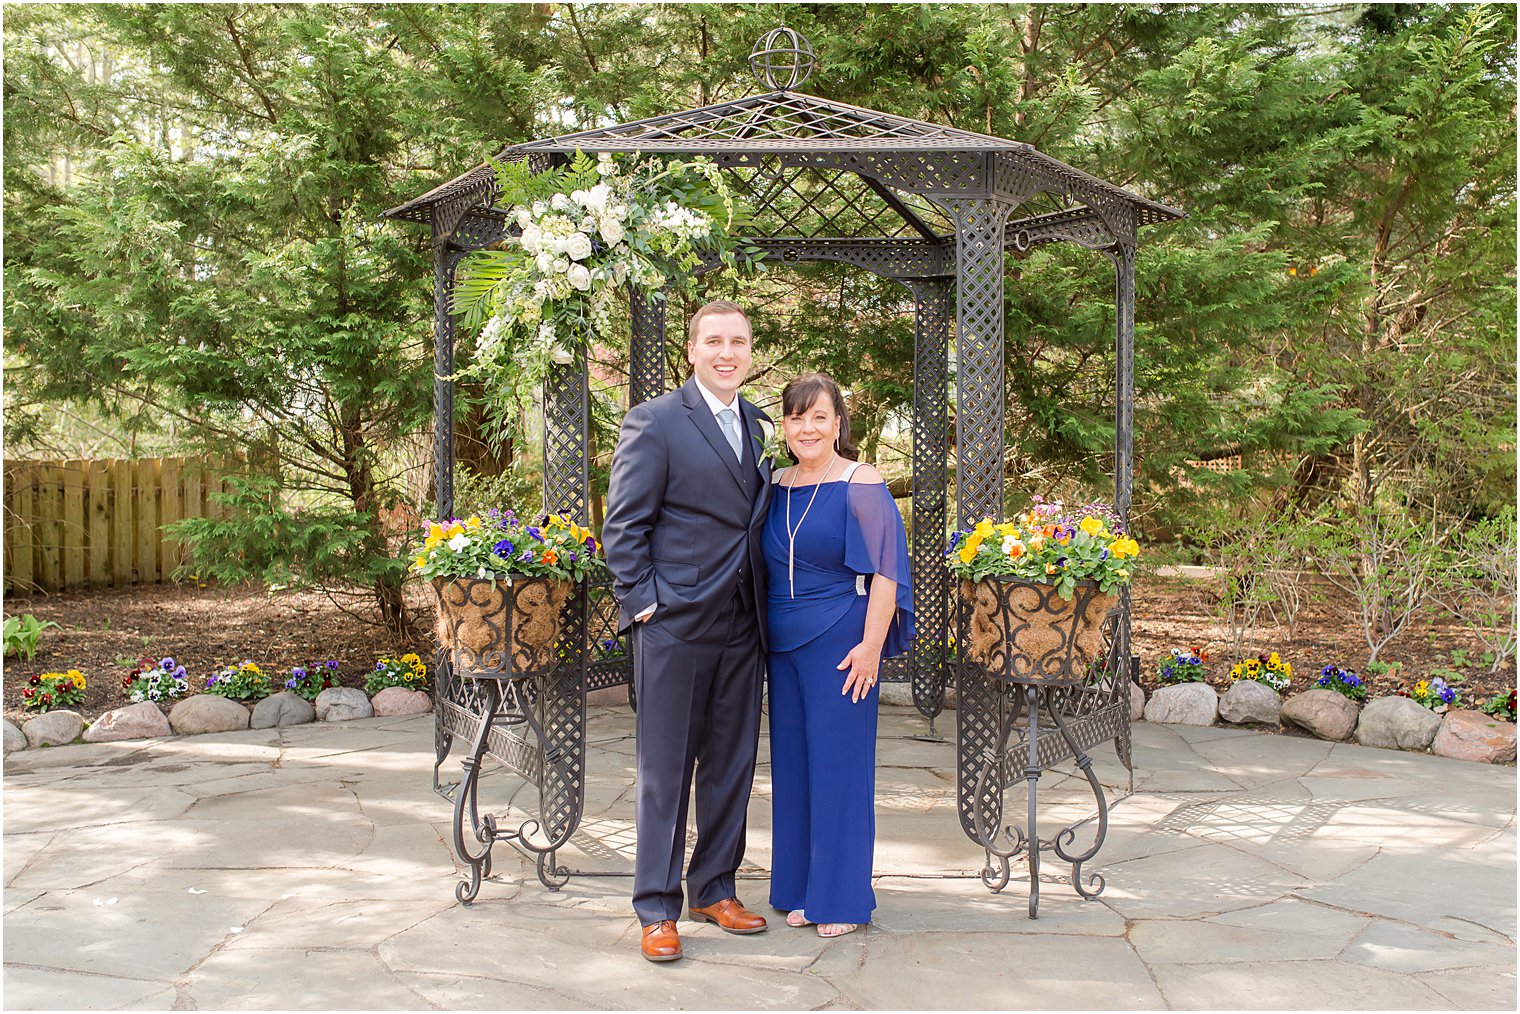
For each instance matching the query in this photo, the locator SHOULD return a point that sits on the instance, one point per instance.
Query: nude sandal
(836, 929)
(796, 919)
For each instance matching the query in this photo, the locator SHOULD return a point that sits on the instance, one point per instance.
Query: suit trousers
(698, 720)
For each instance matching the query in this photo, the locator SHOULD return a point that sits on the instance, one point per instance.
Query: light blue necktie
(730, 423)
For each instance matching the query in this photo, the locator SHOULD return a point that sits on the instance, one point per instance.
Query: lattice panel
(806, 202)
(949, 172)
(889, 258)
(562, 710)
(611, 664)
(566, 418)
(931, 446)
(646, 348)
(979, 474)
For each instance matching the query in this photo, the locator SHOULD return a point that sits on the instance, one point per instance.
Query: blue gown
(823, 745)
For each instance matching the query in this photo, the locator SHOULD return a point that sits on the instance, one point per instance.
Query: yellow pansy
(473, 521)
(435, 531)
(1122, 572)
(968, 551)
(77, 677)
(454, 529)
(555, 521)
(1123, 547)
(421, 561)
(983, 528)
(1092, 526)
(433, 541)
(411, 657)
(1007, 528)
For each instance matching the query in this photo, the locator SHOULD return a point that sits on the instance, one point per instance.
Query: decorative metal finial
(782, 58)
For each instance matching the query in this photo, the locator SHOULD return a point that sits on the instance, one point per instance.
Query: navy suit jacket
(680, 523)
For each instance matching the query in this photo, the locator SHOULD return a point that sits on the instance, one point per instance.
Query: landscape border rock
(204, 713)
(1474, 736)
(1397, 723)
(343, 704)
(15, 739)
(1250, 701)
(142, 720)
(1324, 713)
(1183, 704)
(282, 709)
(53, 728)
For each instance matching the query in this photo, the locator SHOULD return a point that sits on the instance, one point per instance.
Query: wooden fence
(71, 524)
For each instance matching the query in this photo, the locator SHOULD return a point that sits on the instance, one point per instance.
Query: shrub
(54, 690)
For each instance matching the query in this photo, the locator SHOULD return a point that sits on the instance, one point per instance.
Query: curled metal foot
(550, 874)
(1092, 878)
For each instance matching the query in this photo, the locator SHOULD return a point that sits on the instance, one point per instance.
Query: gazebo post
(444, 262)
(932, 303)
(981, 707)
(1123, 254)
(646, 348)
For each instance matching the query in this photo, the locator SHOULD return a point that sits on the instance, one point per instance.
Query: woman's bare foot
(796, 919)
(836, 929)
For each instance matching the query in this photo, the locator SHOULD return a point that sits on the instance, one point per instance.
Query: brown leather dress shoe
(661, 941)
(731, 917)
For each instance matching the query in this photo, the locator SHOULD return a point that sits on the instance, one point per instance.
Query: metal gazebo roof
(793, 129)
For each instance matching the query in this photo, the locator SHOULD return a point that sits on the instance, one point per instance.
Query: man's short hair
(716, 306)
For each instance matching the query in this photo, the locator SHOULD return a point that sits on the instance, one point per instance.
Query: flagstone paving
(310, 868)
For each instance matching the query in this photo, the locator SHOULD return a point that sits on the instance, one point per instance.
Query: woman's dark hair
(799, 396)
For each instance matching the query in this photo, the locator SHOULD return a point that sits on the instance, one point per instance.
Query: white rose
(611, 230)
(545, 262)
(531, 238)
(580, 277)
(561, 355)
(539, 208)
(578, 246)
(561, 265)
(559, 202)
(458, 542)
(596, 200)
(524, 217)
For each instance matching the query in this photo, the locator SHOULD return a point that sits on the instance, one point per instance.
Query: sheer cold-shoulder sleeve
(875, 543)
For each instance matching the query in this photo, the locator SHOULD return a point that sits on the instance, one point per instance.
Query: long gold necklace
(791, 533)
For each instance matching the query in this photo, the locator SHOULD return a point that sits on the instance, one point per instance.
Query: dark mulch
(202, 628)
(205, 628)
(1181, 613)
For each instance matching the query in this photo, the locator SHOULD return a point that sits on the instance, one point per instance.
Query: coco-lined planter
(505, 628)
(1026, 633)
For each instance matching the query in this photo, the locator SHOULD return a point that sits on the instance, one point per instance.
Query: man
(682, 535)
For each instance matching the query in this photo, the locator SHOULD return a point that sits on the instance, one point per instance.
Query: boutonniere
(773, 445)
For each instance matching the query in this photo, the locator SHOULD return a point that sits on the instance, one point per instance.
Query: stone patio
(310, 868)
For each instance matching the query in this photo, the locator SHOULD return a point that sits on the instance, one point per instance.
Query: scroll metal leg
(1032, 774)
(1069, 835)
(466, 812)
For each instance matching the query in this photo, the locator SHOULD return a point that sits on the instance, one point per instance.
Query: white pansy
(458, 542)
(580, 277)
(1009, 543)
(578, 246)
(611, 230)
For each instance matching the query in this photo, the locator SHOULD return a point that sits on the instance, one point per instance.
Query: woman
(839, 601)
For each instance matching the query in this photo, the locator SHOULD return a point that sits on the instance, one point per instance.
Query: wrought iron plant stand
(509, 687)
(1048, 674)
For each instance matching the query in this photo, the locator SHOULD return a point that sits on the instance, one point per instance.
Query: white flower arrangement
(584, 234)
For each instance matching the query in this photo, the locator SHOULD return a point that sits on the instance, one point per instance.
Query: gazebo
(935, 208)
